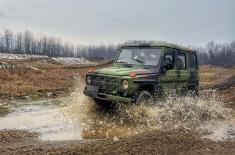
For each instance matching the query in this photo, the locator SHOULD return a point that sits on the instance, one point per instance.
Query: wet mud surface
(75, 125)
(151, 142)
(64, 126)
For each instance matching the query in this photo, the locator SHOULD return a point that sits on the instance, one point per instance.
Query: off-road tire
(144, 97)
(193, 92)
(103, 104)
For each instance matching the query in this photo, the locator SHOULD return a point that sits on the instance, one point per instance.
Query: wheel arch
(150, 87)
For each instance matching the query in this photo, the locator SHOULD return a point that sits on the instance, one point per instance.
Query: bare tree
(222, 54)
(19, 43)
(8, 40)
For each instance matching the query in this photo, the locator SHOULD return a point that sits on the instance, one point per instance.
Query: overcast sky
(186, 22)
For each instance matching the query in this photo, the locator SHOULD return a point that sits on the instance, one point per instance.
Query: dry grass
(22, 82)
(220, 79)
(37, 78)
(212, 75)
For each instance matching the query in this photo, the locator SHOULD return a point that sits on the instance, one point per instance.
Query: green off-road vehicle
(143, 72)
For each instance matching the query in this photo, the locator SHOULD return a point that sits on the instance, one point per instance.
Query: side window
(180, 61)
(192, 61)
(168, 59)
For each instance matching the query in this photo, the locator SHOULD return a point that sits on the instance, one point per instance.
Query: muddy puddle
(218, 130)
(62, 119)
(78, 118)
(43, 116)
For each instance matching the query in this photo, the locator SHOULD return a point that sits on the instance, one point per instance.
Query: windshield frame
(137, 47)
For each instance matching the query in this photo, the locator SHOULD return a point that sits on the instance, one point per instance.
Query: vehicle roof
(158, 44)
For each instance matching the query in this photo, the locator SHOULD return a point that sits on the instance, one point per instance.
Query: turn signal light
(133, 74)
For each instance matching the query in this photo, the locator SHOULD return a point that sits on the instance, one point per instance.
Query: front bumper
(107, 97)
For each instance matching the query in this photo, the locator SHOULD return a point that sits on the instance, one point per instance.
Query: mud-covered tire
(144, 97)
(193, 92)
(103, 104)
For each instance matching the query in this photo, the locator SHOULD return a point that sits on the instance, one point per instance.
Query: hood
(125, 71)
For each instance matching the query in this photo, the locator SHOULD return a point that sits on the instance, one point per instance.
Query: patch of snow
(62, 60)
(19, 56)
(71, 60)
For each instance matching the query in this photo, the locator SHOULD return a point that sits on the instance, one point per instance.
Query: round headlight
(88, 79)
(124, 84)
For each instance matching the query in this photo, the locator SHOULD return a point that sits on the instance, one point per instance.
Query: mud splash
(178, 112)
(175, 112)
(94, 122)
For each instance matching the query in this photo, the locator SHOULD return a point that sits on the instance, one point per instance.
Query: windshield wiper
(140, 61)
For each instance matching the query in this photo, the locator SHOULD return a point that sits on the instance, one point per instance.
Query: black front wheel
(103, 104)
(193, 92)
(145, 97)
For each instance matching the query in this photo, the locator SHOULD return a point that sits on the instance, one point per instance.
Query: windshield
(140, 56)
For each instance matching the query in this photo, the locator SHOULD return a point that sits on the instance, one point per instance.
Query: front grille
(106, 84)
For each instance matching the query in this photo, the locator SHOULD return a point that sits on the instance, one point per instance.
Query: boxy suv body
(142, 72)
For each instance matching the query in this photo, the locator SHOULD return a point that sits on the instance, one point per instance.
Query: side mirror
(166, 66)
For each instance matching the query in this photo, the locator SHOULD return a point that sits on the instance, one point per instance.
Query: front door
(168, 77)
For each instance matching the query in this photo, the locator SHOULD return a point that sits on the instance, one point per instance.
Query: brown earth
(35, 78)
(153, 142)
(222, 80)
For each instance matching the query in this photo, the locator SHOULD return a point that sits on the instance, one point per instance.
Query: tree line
(220, 54)
(27, 43)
